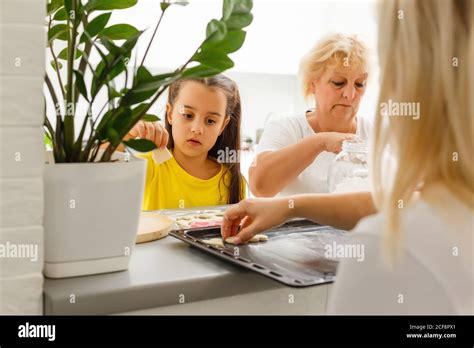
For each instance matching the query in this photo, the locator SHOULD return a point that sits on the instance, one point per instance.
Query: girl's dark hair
(230, 137)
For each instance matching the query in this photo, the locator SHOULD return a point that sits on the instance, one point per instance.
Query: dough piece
(255, 239)
(161, 155)
(183, 223)
(205, 219)
(259, 238)
(215, 211)
(217, 242)
(197, 224)
(186, 217)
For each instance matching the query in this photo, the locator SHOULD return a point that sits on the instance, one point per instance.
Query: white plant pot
(91, 215)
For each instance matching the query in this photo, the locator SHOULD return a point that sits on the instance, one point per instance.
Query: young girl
(202, 122)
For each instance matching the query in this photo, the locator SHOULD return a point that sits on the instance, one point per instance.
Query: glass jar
(349, 171)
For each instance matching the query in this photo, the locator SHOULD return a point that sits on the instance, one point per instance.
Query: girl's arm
(274, 170)
(152, 131)
(257, 215)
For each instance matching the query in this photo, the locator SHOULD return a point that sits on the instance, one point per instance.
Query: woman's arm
(343, 210)
(274, 170)
(257, 215)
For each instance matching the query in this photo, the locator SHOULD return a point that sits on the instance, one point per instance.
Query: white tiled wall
(22, 43)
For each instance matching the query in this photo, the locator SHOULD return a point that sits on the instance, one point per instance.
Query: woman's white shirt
(290, 130)
(433, 275)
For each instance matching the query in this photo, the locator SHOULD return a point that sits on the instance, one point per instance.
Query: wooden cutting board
(153, 226)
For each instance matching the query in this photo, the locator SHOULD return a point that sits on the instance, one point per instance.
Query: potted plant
(93, 193)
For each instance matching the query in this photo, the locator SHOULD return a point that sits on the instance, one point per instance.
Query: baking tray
(293, 255)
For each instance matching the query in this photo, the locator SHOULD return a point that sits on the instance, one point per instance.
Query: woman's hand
(333, 140)
(152, 131)
(251, 216)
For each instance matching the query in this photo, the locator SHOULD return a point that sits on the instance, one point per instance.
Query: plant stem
(95, 151)
(84, 59)
(69, 119)
(152, 37)
(61, 85)
(57, 141)
(47, 124)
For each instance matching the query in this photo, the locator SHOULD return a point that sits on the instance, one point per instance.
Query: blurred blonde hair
(426, 56)
(333, 50)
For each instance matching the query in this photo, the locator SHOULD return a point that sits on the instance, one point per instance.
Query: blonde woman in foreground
(418, 248)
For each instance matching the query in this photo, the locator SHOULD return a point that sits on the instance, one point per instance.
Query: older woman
(418, 248)
(294, 153)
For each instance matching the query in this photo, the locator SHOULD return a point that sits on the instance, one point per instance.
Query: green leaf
(59, 31)
(68, 5)
(215, 31)
(47, 140)
(214, 58)
(103, 121)
(145, 90)
(227, 9)
(141, 145)
(54, 5)
(113, 64)
(105, 5)
(232, 42)
(139, 110)
(95, 26)
(199, 72)
(133, 97)
(131, 41)
(154, 82)
(119, 120)
(164, 5)
(81, 86)
(180, 2)
(100, 74)
(143, 75)
(110, 46)
(119, 31)
(123, 122)
(150, 118)
(239, 21)
(53, 64)
(113, 93)
(63, 54)
(106, 74)
(60, 15)
(242, 6)
(113, 136)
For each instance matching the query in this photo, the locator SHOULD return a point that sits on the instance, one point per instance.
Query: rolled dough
(161, 155)
(258, 238)
(205, 219)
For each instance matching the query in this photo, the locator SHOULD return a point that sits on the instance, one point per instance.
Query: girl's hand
(152, 131)
(251, 216)
(333, 140)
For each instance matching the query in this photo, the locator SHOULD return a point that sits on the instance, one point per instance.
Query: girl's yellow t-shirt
(169, 186)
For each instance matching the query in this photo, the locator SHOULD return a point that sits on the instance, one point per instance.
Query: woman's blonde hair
(426, 61)
(333, 50)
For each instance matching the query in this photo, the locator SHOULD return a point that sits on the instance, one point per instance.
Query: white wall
(22, 42)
